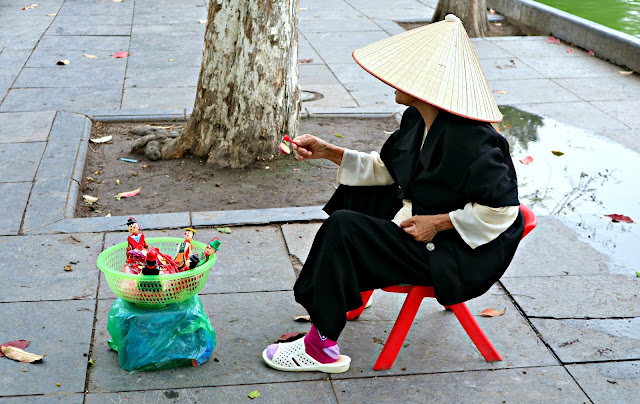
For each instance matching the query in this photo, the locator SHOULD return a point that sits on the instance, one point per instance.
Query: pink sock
(320, 347)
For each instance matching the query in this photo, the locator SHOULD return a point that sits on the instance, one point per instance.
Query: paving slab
(623, 111)
(13, 198)
(169, 17)
(171, 40)
(70, 19)
(299, 237)
(544, 252)
(378, 96)
(562, 67)
(84, 43)
(536, 46)
(509, 68)
(77, 60)
(529, 91)
(160, 57)
(7, 77)
(170, 76)
(97, 8)
(68, 126)
(306, 51)
(62, 331)
(189, 27)
(244, 323)
(257, 216)
(311, 74)
(486, 49)
(173, 97)
(336, 47)
(94, 77)
(580, 114)
(77, 398)
(19, 161)
(335, 95)
(47, 203)
(13, 58)
(45, 279)
(49, 99)
(396, 13)
(603, 88)
(591, 340)
(357, 22)
(390, 27)
(524, 385)
(587, 296)
(616, 382)
(275, 393)
(437, 342)
(90, 30)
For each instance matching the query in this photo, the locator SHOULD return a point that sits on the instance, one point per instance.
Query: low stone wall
(607, 43)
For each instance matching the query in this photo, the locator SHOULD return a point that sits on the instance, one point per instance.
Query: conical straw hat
(436, 64)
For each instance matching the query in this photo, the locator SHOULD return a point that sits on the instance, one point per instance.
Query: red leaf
(119, 55)
(291, 336)
(619, 218)
(553, 40)
(20, 344)
(492, 313)
(591, 52)
(569, 50)
(527, 160)
(305, 60)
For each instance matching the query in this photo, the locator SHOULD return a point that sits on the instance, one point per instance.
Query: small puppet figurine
(212, 248)
(184, 248)
(190, 263)
(150, 268)
(135, 241)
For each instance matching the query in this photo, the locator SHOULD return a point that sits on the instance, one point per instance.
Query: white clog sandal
(292, 357)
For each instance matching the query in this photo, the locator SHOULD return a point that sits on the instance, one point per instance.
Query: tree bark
(248, 96)
(473, 14)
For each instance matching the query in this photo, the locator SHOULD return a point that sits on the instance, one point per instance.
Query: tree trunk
(248, 96)
(473, 14)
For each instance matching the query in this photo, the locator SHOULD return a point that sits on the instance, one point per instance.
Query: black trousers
(357, 248)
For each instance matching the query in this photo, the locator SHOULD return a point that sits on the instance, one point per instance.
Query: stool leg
(399, 331)
(353, 314)
(476, 334)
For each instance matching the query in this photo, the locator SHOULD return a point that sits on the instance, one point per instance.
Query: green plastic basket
(153, 290)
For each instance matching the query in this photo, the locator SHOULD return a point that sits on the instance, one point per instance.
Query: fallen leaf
(637, 274)
(88, 56)
(626, 72)
(18, 354)
(128, 194)
(62, 62)
(52, 14)
(172, 60)
(305, 60)
(76, 239)
(387, 132)
(224, 230)
(91, 362)
(108, 215)
(591, 52)
(569, 50)
(497, 24)
(90, 179)
(492, 11)
(501, 92)
(302, 318)
(567, 343)
(117, 182)
(284, 148)
(553, 40)
(128, 160)
(118, 1)
(202, 21)
(102, 139)
(21, 344)
(119, 55)
(30, 7)
(88, 199)
(254, 394)
(619, 218)
(492, 313)
(527, 160)
(291, 336)
(557, 153)
(340, 136)
(68, 268)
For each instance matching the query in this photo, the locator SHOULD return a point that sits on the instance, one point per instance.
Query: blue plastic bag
(179, 334)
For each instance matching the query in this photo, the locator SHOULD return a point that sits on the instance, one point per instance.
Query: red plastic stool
(415, 294)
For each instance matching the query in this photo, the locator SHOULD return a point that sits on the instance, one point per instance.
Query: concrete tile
(168, 41)
(390, 27)
(62, 331)
(19, 161)
(58, 160)
(544, 253)
(507, 69)
(591, 340)
(379, 111)
(98, 8)
(46, 278)
(299, 237)
(158, 29)
(591, 296)
(8, 76)
(36, 21)
(167, 98)
(311, 74)
(381, 4)
(69, 19)
(437, 342)
(160, 58)
(617, 382)
(13, 58)
(170, 76)
(489, 50)
(525, 385)
(84, 43)
(310, 6)
(90, 30)
(296, 392)
(77, 398)
(348, 73)
(257, 216)
(336, 47)
(68, 126)
(580, 114)
(48, 58)
(168, 16)
(15, 10)
(340, 24)
(536, 47)
(47, 203)
(563, 67)
(603, 88)
(624, 111)
(47, 99)
(529, 91)
(399, 13)
(13, 198)
(106, 77)
(238, 336)
(378, 95)
(335, 95)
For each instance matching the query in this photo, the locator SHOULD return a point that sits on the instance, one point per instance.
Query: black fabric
(461, 161)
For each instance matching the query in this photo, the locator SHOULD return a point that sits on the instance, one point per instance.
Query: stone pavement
(571, 326)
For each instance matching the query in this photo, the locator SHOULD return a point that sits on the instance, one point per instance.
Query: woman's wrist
(335, 154)
(443, 222)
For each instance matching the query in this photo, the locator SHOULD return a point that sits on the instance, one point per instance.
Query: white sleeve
(479, 224)
(362, 169)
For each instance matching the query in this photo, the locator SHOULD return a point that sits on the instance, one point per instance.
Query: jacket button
(431, 246)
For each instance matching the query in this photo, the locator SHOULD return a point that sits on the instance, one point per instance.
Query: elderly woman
(438, 206)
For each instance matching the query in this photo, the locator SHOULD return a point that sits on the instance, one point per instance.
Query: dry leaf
(527, 160)
(291, 336)
(202, 21)
(619, 218)
(225, 230)
(388, 132)
(553, 40)
(254, 394)
(337, 135)
(500, 92)
(88, 56)
(119, 55)
(492, 313)
(108, 214)
(21, 344)
(306, 318)
(88, 199)
(492, 11)
(569, 50)
(62, 62)
(117, 182)
(68, 268)
(591, 52)
(118, 1)
(497, 24)
(102, 139)
(30, 7)
(305, 60)
(52, 14)
(128, 194)
(18, 354)
(557, 153)
(626, 72)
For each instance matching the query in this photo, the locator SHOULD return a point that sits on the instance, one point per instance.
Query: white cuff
(479, 224)
(362, 169)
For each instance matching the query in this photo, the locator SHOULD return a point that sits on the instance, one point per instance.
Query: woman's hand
(311, 147)
(425, 228)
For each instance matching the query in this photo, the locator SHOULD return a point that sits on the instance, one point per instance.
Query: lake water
(621, 15)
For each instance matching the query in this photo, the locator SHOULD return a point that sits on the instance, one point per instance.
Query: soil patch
(189, 184)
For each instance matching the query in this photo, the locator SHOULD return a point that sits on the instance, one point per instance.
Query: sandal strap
(293, 355)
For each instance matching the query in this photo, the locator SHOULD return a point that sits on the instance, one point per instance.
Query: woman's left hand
(425, 228)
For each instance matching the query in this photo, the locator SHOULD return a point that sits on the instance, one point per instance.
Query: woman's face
(404, 98)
